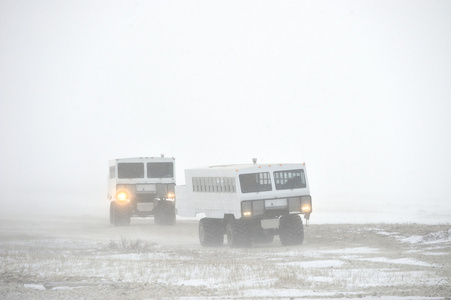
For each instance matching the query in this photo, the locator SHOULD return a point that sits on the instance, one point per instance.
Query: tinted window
(130, 170)
(255, 182)
(160, 170)
(291, 179)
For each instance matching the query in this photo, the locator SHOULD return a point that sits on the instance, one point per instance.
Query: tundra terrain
(86, 258)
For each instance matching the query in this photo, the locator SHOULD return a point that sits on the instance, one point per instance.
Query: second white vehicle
(249, 203)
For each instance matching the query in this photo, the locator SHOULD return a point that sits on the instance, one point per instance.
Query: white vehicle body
(216, 190)
(137, 186)
(256, 193)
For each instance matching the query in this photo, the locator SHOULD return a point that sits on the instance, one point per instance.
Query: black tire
(291, 230)
(211, 232)
(164, 213)
(119, 214)
(238, 234)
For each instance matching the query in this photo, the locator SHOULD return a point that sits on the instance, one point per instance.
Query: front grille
(145, 197)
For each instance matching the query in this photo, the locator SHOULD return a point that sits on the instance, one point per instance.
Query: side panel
(184, 209)
(111, 179)
(213, 205)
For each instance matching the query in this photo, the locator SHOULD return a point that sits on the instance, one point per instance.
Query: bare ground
(85, 258)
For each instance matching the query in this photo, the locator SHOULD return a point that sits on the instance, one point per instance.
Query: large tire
(164, 213)
(291, 230)
(238, 234)
(211, 232)
(119, 214)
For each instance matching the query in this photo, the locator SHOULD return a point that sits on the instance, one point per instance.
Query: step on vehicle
(142, 187)
(247, 203)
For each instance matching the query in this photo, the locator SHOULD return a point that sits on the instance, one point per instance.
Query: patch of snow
(386, 233)
(358, 250)
(364, 278)
(430, 238)
(35, 286)
(316, 264)
(65, 288)
(138, 256)
(438, 237)
(402, 261)
(293, 293)
(348, 295)
(415, 239)
(435, 253)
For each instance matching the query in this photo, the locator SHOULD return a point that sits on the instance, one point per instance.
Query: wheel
(164, 213)
(238, 234)
(119, 214)
(291, 230)
(211, 232)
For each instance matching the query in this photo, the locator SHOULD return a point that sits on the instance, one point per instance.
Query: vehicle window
(290, 179)
(130, 170)
(255, 182)
(160, 170)
(214, 184)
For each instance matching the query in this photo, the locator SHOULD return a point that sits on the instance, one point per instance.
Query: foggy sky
(359, 90)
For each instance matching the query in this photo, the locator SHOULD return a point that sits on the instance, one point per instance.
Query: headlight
(246, 208)
(122, 196)
(306, 204)
(170, 195)
(306, 208)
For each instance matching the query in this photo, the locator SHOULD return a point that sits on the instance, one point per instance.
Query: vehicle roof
(240, 167)
(146, 158)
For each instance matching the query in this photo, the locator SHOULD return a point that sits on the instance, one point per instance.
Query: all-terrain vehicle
(249, 203)
(142, 187)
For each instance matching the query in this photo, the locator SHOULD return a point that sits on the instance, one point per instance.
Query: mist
(358, 90)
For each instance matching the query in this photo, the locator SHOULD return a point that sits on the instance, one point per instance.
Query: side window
(194, 183)
(211, 184)
(203, 184)
(255, 182)
(214, 184)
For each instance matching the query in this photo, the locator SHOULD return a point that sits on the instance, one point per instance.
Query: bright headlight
(122, 196)
(246, 208)
(306, 204)
(170, 195)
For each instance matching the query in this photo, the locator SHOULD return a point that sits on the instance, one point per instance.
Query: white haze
(359, 90)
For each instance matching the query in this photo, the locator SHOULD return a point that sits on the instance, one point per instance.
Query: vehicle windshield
(130, 170)
(255, 182)
(290, 179)
(160, 170)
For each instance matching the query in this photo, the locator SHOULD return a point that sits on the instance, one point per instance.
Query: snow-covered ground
(85, 257)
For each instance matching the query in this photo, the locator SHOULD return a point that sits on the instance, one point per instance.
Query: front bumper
(276, 207)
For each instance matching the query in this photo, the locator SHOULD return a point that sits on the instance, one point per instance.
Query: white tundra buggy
(141, 187)
(249, 203)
